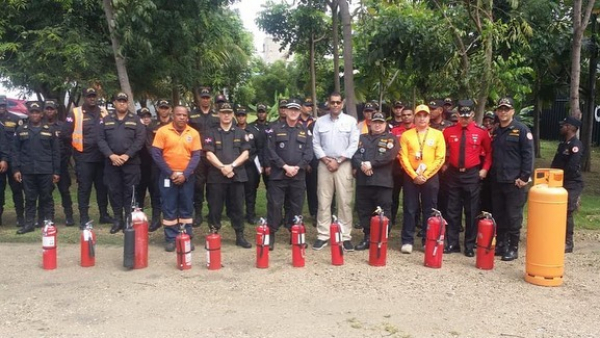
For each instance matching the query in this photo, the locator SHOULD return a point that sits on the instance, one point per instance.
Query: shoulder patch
(529, 136)
(575, 149)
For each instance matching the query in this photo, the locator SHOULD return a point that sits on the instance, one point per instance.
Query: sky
(248, 10)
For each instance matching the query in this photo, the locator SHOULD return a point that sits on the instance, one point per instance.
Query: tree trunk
(119, 59)
(175, 94)
(348, 62)
(587, 120)
(336, 43)
(576, 59)
(313, 75)
(537, 114)
(483, 94)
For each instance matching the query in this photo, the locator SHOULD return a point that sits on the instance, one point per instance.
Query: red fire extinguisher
(486, 241)
(88, 246)
(49, 245)
(298, 242)
(434, 242)
(378, 239)
(262, 244)
(335, 237)
(213, 251)
(183, 243)
(140, 226)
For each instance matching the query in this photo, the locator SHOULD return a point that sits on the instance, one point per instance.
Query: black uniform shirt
(66, 150)
(91, 120)
(381, 150)
(227, 146)
(36, 150)
(10, 122)
(512, 152)
(291, 146)
(126, 136)
(261, 141)
(251, 136)
(151, 130)
(568, 158)
(203, 122)
(441, 126)
(4, 145)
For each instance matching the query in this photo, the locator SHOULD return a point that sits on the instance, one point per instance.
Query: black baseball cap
(293, 104)
(220, 98)
(369, 107)
(163, 103)
(225, 108)
(50, 104)
(506, 102)
(34, 106)
(572, 121)
(89, 91)
(378, 117)
(144, 112)
(283, 103)
(433, 104)
(121, 96)
(205, 92)
(308, 102)
(241, 111)
(398, 104)
(465, 108)
(261, 107)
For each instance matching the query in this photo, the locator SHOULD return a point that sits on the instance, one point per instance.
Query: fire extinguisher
(183, 243)
(337, 249)
(49, 245)
(213, 251)
(379, 238)
(486, 241)
(88, 246)
(434, 240)
(298, 242)
(140, 226)
(262, 244)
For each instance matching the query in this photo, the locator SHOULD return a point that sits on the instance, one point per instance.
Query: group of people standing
(435, 154)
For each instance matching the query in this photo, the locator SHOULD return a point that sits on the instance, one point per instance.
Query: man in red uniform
(465, 142)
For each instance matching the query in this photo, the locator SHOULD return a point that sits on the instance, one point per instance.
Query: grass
(588, 216)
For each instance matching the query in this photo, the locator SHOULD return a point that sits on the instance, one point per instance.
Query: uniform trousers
(291, 191)
(250, 188)
(463, 194)
(15, 187)
(229, 195)
(120, 182)
(177, 203)
(88, 174)
(507, 205)
(574, 189)
(415, 196)
(37, 186)
(368, 198)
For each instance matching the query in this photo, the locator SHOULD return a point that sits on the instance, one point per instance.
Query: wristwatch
(338, 160)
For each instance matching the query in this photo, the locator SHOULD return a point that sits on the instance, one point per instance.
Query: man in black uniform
(227, 150)
(290, 152)
(145, 162)
(81, 126)
(311, 170)
(64, 184)
(373, 162)
(262, 124)
(36, 164)
(164, 117)
(10, 123)
(512, 164)
(202, 119)
(250, 186)
(568, 158)
(120, 138)
(282, 109)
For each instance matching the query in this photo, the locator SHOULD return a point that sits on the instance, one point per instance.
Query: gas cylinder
(335, 237)
(88, 246)
(49, 245)
(213, 251)
(262, 244)
(378, 239)
(298, 242)
(546, 228)
(486, 241)
(183, 245)
(434, 240)
(140, 226)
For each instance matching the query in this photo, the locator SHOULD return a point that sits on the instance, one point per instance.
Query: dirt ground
(403, 299)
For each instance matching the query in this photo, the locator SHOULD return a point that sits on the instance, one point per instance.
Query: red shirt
(478, 144)
(399, 129)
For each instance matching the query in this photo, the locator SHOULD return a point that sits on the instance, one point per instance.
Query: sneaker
(170, 246)
(319, 244)
(348, 246)
(406, 248)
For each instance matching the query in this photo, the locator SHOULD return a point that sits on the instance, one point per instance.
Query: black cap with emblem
(465, 108)
(205, 92)
(398, 104)
(34, 106)
(378, 117)
(121, 96)
(308, 102)
(50, 104)
(433, 104)
(283, 103)
(90, 91)
(163, 103)
(571, 121)
(144, 112)
(225, 108)
(220, 98)
(241, 111)
(293, 104)
(261, 108)
(506, 102)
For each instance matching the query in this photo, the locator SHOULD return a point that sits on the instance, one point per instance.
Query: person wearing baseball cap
(64, 184)
(422, 155)
(262, 125)
(397, 109)
(308, 121)
(377, 151)
(437, 118)
(36, 164)
(81, 127)
(465, 142)
(488, 121)
(306, 112)
(227, 148)
(368, 111)
(282, 106)
(250, 186)
(568, 158)
(9, 123)
(512, 166)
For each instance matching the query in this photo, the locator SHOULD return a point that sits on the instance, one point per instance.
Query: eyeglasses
(335, 102)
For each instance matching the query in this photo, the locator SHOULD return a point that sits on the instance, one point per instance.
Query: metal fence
(551, 117)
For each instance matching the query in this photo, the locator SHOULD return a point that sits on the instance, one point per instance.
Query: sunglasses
(335, 102)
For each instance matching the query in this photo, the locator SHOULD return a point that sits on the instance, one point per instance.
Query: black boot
(240, 240)
(512, 253)
(25, 229)
(155, 225)
(272, 241)
(501, 246)
(84, 218)
(105, 217)
(1, 212)
(197, 216)
(364, 244)
(20, 221)
(117, 226)
(69, 221)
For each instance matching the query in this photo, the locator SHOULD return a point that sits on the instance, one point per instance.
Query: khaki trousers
(341, 183)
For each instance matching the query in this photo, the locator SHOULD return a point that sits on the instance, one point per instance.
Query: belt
(462, 170)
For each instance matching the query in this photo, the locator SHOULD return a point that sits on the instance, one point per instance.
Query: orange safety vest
(77, 140)
(364, 128)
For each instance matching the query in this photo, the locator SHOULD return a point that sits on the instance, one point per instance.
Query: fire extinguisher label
(48, 241)
(385, 231)
(301, 239)
(207, 257)
(86, 235)
(338, 237)
(188, 259)
(267, 238)
(188, 246)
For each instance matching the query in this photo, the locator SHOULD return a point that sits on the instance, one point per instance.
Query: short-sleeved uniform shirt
(177, 147)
